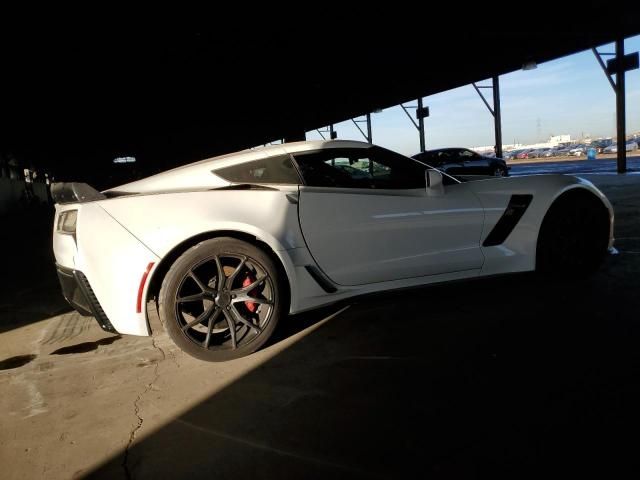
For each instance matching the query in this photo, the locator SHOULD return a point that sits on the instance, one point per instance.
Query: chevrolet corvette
(230, 245)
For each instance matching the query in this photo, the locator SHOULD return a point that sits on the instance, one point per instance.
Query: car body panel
(389, 235)
(362, 236)
(115, 279)
(517, 252)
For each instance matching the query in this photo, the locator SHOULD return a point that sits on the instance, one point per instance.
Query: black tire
(191, 291)
(574, 235)
(499, 171)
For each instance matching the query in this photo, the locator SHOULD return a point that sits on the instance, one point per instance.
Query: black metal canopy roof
(74, 98)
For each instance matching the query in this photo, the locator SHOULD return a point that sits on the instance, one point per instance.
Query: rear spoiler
(73, 192)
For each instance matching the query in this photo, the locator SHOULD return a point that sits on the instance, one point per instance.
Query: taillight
(67, 221)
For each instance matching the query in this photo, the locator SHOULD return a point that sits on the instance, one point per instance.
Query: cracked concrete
(67, 414)
(136, 405)
(317, 404)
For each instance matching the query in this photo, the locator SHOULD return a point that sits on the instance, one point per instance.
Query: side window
(445, 156)
(372, 167)
(333, 168)
(278, 169)
(395, 171)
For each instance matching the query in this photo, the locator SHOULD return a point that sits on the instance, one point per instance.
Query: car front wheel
(574, 235)
(221, 299)
(499, 171)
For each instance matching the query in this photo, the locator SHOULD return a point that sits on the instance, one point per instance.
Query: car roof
(258, 153)
(198, 173)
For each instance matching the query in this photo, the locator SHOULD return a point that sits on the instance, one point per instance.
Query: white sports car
(227, 246)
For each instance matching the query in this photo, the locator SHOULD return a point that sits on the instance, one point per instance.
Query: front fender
(518, 251)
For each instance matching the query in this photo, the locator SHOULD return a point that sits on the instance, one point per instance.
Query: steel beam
(497, 116)
(420, 114)
(620, 108)
(598, 56)
(495, 111)
(368, 136)
(421, 126)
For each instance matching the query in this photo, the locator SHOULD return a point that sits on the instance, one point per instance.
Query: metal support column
(421, 113)
(495, 111)
(598, 56)
(421, 126)
(497, 117)
(617, 66)
(332, 133)
(368, 136)
(620, 108)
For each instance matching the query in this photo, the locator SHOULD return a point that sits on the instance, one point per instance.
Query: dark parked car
(462, 161)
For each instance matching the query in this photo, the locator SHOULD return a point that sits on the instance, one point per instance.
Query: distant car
(229, 246)
(600, 145)
(562, 151)
(512, 154)
(629, 146)
(578, 150)
(523, 154)
(462, 161)
(537, 153)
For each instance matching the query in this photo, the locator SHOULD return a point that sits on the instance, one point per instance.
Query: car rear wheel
(574, 235)
(221, 299)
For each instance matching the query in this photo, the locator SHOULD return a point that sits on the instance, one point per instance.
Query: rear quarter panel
(163, 221)
(113, 261)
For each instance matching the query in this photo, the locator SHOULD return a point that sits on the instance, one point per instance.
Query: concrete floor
(511, 375)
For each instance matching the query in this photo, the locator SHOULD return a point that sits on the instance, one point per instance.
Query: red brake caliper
(252, 307)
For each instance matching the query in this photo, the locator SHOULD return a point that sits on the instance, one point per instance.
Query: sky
(570, 95)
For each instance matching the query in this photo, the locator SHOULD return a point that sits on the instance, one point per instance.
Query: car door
(384, 226)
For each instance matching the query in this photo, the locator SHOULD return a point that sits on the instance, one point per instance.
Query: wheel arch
(568, 194)
(160, 271)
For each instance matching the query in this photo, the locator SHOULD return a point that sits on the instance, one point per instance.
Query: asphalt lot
(514, 375)
(601, 165)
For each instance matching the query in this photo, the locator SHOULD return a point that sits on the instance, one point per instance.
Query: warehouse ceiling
(74, 98)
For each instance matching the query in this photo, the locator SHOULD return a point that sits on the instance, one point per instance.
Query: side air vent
(510, 218)
(326, 285)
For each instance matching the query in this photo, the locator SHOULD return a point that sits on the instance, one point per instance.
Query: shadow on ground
(29, 291)
(514, 375)
(518, 375)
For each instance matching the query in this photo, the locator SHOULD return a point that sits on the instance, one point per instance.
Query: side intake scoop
(510, 218)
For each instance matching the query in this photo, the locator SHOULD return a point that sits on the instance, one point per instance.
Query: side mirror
(435, 185)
